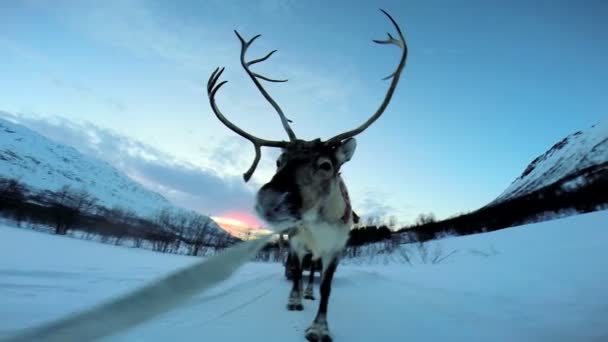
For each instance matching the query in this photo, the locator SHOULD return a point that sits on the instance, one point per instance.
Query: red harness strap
(347, 208)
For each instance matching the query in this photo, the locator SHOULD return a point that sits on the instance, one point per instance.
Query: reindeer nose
(270, 201)
(274, 205)
(275, 209)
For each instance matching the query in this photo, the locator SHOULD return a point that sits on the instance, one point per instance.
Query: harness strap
(348, 210)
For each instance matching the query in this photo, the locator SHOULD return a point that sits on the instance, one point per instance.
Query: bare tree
(198, 228)
(13, 195)
(425, 219)
(12, 188)
(68, 205)
(393, 222)
(188, 227)
(372, 221)
(121, 215)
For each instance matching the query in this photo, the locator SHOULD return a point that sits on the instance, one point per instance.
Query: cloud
(374, 204)
(226, 156)
(181, 182)
(371, 206)
(208, 190)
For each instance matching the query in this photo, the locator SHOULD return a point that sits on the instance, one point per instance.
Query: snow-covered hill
(43, 164)
(571, 162)
(542, 282)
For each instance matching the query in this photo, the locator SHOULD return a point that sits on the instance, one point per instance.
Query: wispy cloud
(137, 27)
(372, 206)
(203, 189)
(277, 6)
(82, 90)
(376, 204)
(181, 182)
(197, 47)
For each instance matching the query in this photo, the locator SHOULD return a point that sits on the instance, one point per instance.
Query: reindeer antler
(391, 89)
(254, 77)
(212, 88)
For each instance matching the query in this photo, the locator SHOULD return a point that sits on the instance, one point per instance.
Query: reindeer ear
(345, 151)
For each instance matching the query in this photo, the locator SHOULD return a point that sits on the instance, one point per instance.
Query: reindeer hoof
(313, 337)
(295, 307)
(318, 332)
(308, 294)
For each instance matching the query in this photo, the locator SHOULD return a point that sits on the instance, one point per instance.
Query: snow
(574, 183)
(539, 282)
(574, 153)
(46, 165)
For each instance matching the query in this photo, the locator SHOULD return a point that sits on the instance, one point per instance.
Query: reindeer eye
(325, 166)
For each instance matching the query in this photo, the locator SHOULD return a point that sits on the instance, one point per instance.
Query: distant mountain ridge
(43, 164)
(569, 178)
(571, 164)
(54, 183)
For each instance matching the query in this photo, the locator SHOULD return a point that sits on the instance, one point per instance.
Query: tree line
(75, 211)
(68, 209)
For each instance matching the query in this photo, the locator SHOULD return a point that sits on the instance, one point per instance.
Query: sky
(488, 86)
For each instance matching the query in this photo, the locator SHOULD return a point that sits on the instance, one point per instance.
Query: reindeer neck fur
(334, 208)
(324, 231)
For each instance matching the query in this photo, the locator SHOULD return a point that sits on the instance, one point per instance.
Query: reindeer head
(307, 184)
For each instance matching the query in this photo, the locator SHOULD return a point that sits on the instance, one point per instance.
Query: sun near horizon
(240, 224)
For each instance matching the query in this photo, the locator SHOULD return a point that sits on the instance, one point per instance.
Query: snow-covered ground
(541, 282)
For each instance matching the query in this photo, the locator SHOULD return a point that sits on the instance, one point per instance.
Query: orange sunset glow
(240, 224)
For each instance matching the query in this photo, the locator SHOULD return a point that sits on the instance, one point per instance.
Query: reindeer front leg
(294, 302)
(319, 330)
(309, 293)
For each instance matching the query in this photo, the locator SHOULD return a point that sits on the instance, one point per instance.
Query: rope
(145, 303)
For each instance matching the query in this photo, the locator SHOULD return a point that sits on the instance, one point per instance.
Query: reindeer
(307, 191)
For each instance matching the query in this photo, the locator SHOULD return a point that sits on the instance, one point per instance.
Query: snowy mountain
(570, 178)
(43, 164)
(571, 163)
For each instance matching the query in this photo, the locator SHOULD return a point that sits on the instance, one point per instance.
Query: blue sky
(488, 86)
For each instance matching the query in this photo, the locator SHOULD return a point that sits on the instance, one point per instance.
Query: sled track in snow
(231, 290)
(238, 307)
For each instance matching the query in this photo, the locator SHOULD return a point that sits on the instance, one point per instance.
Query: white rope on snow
(145, 303)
